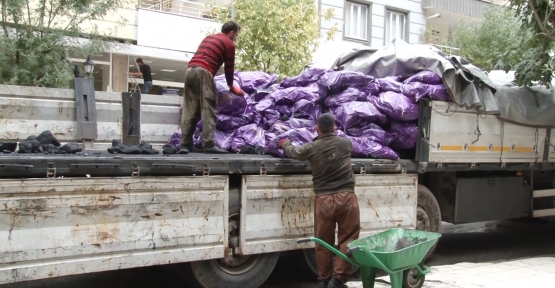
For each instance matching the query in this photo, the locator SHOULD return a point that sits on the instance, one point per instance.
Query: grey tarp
(469, 87)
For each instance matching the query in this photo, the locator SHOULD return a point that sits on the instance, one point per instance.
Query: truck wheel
(411, 280)
(248, 271)
(428, 214)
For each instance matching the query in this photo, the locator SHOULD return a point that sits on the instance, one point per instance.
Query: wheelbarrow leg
(396, 279)
(368, 275)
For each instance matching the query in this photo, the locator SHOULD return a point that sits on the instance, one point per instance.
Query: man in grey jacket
(336, 203)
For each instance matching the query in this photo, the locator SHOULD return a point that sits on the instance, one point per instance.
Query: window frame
(368, 6)
(387, 22)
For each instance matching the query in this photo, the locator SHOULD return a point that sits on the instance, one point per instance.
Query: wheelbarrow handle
(304, 240)
(352, 249)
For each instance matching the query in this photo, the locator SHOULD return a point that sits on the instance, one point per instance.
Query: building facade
(166, 33)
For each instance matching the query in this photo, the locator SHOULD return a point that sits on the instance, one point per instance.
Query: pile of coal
(45, 142)
(143, 148)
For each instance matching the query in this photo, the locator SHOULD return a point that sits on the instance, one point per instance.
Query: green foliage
(37, 34)
(276, 36)
(484, 42)
(535, 65)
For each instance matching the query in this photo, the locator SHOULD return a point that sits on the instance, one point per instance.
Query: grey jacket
(330, 160)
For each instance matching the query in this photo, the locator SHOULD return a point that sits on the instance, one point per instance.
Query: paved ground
(522, 273)
(474, 255)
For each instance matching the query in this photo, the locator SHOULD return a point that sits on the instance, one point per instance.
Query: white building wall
(415, 24)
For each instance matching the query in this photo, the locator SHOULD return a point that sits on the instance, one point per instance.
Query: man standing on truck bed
(334, 184)
(201, 96)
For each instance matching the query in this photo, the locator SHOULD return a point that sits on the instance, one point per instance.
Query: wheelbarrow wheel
(411, 279)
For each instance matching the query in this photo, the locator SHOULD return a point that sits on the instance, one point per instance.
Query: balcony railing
(447, 49)
(181, 7)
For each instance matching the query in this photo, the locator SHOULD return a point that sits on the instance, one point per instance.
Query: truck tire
(428, 214)
(252, 273)
(248, 271)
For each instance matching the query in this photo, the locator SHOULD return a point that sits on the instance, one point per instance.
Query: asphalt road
(480, 242)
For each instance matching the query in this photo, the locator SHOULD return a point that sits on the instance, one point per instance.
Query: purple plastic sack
(307, 77)
(396, 106)
(227, 122)
(290, 96)
(175, 140)
(426, 77)
(261, 93)
(404, 135)
(223, 138)
(230, 103)
(370, 131)
(265, 104)
(371, 89)
(307, 109)
(352, 114)
(252, 134)
(271, 116)
(439, 93)
(364, 147)
(253, 80)
(284, 110)
(389, 84)
(279, 127)
(348, 95)
(301, 123)
(236, 144)
(340, 80)
(415, 90)
(297, 136)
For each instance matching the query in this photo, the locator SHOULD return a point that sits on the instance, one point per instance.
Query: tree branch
(29, 14)
(4, 23)
(543, 28)
(42, 12)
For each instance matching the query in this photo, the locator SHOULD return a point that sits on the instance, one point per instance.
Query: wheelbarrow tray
(397, 249)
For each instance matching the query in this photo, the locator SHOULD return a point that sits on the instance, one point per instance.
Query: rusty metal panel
(277, 210)
(57, 227)
(551, 148)
(462, 136)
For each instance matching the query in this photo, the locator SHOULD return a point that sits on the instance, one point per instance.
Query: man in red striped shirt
(201, 96)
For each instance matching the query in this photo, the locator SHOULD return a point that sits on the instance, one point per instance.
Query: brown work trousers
(200, 99)
(329, 209)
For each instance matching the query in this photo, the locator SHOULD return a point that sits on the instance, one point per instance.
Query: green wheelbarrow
(398, 252)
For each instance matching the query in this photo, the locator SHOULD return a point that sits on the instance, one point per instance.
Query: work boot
(214, 150)
(322, 284)
(191, 148)
(336, 283)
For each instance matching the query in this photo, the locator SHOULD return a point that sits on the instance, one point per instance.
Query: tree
(277, 36)
(536, 63)
(484, 42)
(37, 35)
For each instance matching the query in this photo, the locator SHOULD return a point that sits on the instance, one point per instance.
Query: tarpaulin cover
(348, 95)
(404, 135)
(352, 114)
(364, 147)
(251, 81)
(339, 80)
(308, 76)
(290, 96)
(252, 134)
(396, 106)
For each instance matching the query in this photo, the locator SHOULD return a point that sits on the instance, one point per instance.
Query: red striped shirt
(214, 51)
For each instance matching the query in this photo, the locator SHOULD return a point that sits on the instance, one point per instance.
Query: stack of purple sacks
(378, 115)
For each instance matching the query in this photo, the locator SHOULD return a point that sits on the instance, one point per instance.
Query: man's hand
(282, 142)
(236, 90)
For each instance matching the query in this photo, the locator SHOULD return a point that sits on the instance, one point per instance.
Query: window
(395, 25)
(356, 20)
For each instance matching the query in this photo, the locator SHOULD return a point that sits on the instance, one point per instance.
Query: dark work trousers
(329, 209)
(199, 101)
